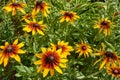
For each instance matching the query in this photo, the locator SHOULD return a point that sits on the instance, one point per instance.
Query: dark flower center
(15, 4)
(35, 25)
(110, 55)
(67, 14)
(84, 48)
(58, 47)
(105, 24)
(115, 71)
(50, 59)
(9, 49)
(39, 4)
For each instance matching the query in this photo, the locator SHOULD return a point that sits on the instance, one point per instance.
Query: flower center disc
(35, 25)
(84, 48)
(105, 24)
(15, 4)
(9, 49)
(50, 59)
(39, 3)
(110, 55)
(115, 71)
(58, 47)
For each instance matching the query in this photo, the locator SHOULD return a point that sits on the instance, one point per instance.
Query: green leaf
(110, 45)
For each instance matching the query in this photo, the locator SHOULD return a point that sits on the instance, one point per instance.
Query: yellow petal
(45, 72)
(21, 51)
(97, 61)
(15, 42)
(40, 32)
(6, 43)
(17, 58)
(27, 21)
(63, 60)
(43, 50)
(38, 62)
(27, 29)
(34, 20)
(62, 65)
(22, 10)
(6, 58)
(103, 63)
(58, 69)
(51, 72)
(40, 69)
(1, 59)
(39, 55)
(13, 11)
(2, 47)
(67, 19)
(33, 32)
(40, 22)
(62, 19)
(20, 45)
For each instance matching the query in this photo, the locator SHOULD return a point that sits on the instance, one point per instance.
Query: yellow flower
(49, 60)
(28, 16)
(34, 26)
(11, 51)
(65, 49)
(104, 24)
(14, 6)
(114, 71)
(108, 57)
(68, 16)
(41, 6)
(83, 49)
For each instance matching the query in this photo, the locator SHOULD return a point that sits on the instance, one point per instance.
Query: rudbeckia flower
(11, 50)
(108, 57)
(49, 60)
(41, 6)
(14, 6)
(68, 16)
(34, 26)
(65, 48)
(83, 49)
(114, 71)
(105, 25)
(28, 16)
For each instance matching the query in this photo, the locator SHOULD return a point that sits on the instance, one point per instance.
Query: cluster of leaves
(78, 67)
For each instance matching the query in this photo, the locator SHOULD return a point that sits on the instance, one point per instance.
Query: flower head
(28, 16)
(107, 56)
(114, 71)
(34, 26)
(65, 48)
(49, 60)
(104, 24)
(41, 6)
(11, 50)
(83, 49)
(68, 16)
(14, 6)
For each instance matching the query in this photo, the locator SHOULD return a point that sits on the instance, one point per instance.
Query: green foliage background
(78, 68)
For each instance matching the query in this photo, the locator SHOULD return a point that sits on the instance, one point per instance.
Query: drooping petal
(103, 63)
(51, 72)
(58, 69)
(17, 58)
(6, 58)
(45, 72)
(20, 51)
